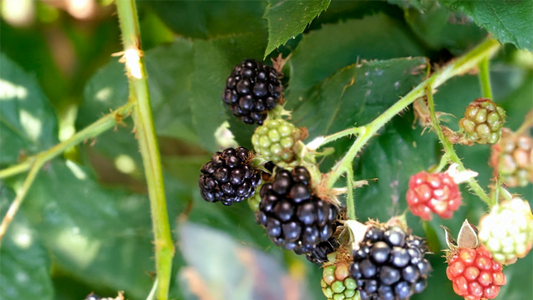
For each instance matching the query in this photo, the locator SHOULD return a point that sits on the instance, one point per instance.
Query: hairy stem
(454, 68)
(484, 78)
(450, 152)
(144, 124)
(103, 124)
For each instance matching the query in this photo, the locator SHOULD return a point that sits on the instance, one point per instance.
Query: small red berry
(474, 273)
(435, 192)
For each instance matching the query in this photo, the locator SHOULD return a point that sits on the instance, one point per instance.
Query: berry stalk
(144, 125)
(450, 152)
(454, 68)
(484, 78)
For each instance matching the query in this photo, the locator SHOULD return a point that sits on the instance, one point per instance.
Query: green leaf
(25, 271)
(101, 236)
(286, 19)
(356, 94)
(25, 266)
(214, 19)
(27, 121)
(373, 37)
(441, 28)
(508, 21)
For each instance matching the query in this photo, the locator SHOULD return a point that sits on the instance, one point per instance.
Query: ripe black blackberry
(319, 254)
(251, 90)
(389, 265)
(228, 177)
(293, 217)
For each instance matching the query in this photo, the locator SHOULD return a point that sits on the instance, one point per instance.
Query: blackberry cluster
(252, 89)
(389, 265)
(228, 177)
(293, 217)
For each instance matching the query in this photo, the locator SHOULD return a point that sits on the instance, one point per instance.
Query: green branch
(103, 124)
(450, 152)
(484, 78)
(454, 68)
(21, 193)
(144, 125)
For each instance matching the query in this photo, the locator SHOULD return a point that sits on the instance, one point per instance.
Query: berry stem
(144, 124)
(450, 152)
(103, 124)
(443, 162)
(484, 78)
(454, 68)
(350, 205)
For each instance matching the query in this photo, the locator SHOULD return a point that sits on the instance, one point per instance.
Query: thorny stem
(484, 78)
(450, 152)
(144, 124)
(454, 68)
(21, 193)
(103, 124)
(443, 162)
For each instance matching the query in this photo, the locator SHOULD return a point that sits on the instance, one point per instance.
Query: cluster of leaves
(85, 224)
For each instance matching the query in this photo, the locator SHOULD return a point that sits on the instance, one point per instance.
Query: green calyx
(483, 121)
(274, 140)
(337, 284)
(508, 231)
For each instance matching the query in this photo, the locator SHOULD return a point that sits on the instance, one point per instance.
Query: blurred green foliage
(85, 225)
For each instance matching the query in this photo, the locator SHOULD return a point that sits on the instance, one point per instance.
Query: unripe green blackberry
(274, 140)
(508, 231)
(512, 158)
(337, 283)
(483, 121)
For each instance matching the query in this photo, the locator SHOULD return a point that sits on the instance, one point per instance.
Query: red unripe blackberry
(293, 217)
(251, 90)
(389, 264)
(229, 177)
(433, 193)
(475, 275)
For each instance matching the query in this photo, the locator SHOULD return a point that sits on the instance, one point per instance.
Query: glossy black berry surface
(389, 265)
(251, 90)
(228, 177)
(293, 217)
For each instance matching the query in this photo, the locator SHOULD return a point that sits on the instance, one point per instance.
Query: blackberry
(319, 253)
(293, 217)
(433, 192)
(251, 90)
(274, 140)
(508, 230)
(228, 177)
(474, 273)
(389, 265)
(336, 282)
(512, 158)
(483, 121)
